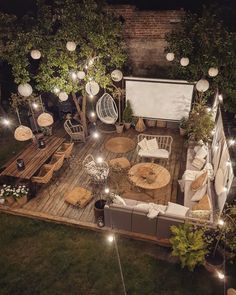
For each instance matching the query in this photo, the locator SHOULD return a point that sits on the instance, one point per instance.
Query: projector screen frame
(164, 81)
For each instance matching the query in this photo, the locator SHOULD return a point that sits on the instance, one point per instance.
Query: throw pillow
(203, 204)
(143, 144)
(199, 194)
(118, 200)
(176, 209)
(199, 181)
(152, 144)
(198, 163)
(202, 152)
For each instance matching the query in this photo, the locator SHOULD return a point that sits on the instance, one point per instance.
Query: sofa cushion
(152, 144)
(201, 214)
(219, 181)
(159, 153)
(176, 209)
(198, 195)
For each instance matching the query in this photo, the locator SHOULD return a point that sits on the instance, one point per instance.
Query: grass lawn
(44, 258)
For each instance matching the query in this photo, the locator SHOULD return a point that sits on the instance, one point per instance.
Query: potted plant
(7, 194)
(127, 115)
(183, 126)
(200, 123)
(189, 245)
(20, 194)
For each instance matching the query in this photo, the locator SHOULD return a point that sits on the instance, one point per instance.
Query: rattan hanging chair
(106, 109)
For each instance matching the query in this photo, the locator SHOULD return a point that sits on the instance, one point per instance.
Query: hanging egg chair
(106, 109)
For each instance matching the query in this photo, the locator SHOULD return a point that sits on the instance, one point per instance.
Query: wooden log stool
(119, 164)
(79, 197)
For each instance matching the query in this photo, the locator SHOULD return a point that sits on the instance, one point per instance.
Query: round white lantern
(45, 120)
(23, 133)
(184, 61)
(63, 96)
(71, 46)
(25, 89)
(170, 56)
(81, 75)
(92, 88)
(35, 54)
(202, 85)
(213, 72)
(116, 75)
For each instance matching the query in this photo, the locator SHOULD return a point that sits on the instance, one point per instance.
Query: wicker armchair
(45, 174)
(163, 151)
(98, 172)
(56, 161)
(76, 132)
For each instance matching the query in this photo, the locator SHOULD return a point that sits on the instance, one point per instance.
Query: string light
(92, 114)
(107, 190)
(86, 67)
(99, 159)
(225, 189)
(34, 105)
(221, 222)
(6, 122)
(231, 141)
(208, 110)
(220, 274)
(73, 76)
(91, 96)
(56, 90)
(96, 135)
(228, 163)
(90, 78)
(110, 238)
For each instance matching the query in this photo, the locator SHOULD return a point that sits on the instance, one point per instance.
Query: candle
(20, 164)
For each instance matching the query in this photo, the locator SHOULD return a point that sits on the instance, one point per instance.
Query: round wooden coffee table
(137, 176)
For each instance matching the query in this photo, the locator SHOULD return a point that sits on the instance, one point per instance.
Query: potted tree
(200, 124)
(127, 115)
(183, 126)
(189, 245)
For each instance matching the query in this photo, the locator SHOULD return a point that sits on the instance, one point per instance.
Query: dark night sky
(20, 7)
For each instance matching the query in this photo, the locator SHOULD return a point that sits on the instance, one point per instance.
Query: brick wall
(144, 32)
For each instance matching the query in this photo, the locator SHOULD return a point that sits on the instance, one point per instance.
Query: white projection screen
(159, 99)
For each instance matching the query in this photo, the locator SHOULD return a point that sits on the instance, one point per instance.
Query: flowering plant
(15, 191)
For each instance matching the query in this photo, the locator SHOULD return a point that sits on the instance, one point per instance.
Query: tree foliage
(96, 33)
(189, 245)
(207, 43)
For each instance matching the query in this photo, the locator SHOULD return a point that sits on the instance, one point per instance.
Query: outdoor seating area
(93, 168)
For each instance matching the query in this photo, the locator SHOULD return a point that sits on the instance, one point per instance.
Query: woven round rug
(120, 145)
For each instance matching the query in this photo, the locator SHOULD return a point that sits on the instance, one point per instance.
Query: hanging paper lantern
(25, 89)
(202, 85)
(71, 46)
(116, 75)
(81, 75)
(92, 88)
(212, 72)
(23, 133)
(184, 61)
(63, 96)
(35, 54)
(170, 56)
(45, 120)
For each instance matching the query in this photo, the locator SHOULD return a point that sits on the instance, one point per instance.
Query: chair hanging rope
(106, 109)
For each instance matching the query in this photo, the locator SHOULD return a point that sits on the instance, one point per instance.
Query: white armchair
(154, 146)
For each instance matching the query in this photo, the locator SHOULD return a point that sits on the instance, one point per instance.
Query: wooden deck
(53, 207)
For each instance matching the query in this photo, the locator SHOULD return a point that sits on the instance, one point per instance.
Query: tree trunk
(82, 113)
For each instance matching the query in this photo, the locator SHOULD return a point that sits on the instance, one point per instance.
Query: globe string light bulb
(35, 105)
(99, 159)
(56, 90)
(221, 222)
(231, 141)
(73, 76)
(110, 238)
(92, 114)
(107, 190)
(6, 122)
(96, 135)
(220, 274)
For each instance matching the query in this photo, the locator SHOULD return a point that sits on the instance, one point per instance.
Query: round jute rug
(120, 145)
